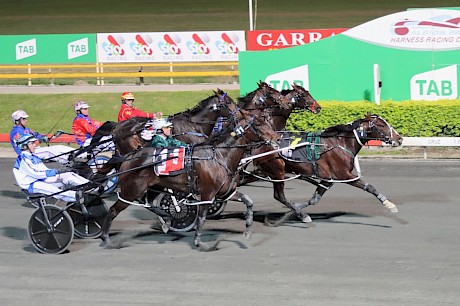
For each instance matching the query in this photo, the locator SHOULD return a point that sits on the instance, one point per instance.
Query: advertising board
(210, 46)
(277, 39)
(48, 49)
(417, 52)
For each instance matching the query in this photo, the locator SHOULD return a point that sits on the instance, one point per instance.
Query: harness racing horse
(272, 166)
(212, 173)
(331, 157)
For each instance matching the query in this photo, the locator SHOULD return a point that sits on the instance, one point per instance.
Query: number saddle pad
(169, 161)
(306, 153)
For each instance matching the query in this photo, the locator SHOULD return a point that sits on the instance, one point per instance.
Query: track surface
(354, 253)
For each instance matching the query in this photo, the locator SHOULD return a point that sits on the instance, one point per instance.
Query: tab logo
(77, 48)
(435, 85)
(26, 49)
(284, 80)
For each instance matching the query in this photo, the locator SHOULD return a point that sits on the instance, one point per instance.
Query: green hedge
(409, 118)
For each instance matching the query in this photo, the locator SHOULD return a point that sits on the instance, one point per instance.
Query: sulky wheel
(51, 233)
(89, 226)
(183, 217)
(216, 208)
(111, 183)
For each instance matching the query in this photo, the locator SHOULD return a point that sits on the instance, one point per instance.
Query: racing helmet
(17, 115)
(127, 95)
(24, 140)
(161, 123)
(79, 105)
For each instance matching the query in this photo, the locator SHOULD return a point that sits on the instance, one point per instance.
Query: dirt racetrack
(354, 253)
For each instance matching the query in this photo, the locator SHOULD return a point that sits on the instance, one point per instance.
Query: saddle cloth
(169, 161)
(301, 154)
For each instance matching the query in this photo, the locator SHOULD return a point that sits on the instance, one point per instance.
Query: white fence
(426, 142)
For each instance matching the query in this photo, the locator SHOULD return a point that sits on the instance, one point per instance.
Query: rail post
(29, 71)
(171, 81)
(98, 79)
(102, 71)
(51, 79)
(141, 78)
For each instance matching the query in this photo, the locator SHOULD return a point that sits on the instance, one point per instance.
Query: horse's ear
(368, 116)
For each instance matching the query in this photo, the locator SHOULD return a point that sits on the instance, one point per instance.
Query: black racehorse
(212, 172)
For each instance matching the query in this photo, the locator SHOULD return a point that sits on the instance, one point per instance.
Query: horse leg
(371, 189)
(112, 214)
(278, 194)
(249, 212)
(202, 211)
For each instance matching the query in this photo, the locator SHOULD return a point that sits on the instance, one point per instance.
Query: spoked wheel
(183, 217)
(216, 209)
(111, 183)
(90, 226)
(52, 233)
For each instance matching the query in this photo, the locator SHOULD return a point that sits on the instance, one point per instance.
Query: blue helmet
(24, 140)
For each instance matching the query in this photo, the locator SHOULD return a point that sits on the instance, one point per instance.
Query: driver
(32, 174)
(59, 153)
(162, 135)
(128, 111)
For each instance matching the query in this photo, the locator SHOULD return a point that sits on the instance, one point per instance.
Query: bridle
(363, 134)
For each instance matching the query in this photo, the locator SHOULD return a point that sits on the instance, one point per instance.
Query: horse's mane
(195, 110)
(285, 91)
(129, 127)
(341, 128)
(243, 102)
(217, 137)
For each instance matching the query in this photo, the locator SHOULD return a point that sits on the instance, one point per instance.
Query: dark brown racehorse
(272, 166)
(213, 173)
(333, 158)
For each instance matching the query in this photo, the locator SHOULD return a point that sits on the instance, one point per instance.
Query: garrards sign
(411, 55)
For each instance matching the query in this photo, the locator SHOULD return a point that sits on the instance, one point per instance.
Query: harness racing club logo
(170, 45)
(437, 25)
(141, 47)
(198, 46)
(114, 46)
(227, 46)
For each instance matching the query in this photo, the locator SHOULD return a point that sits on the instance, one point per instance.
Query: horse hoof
(307, 219)
(165, 228)
(247, 235)
(390, 206)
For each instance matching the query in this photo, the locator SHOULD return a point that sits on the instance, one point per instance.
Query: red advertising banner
(277, 39)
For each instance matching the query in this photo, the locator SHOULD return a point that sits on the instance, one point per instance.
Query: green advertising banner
(412, 55)
(48, 49)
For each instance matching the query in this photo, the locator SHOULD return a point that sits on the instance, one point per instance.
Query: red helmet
(127, 95)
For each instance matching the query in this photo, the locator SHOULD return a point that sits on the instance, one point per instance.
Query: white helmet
(161, 123)
(79, 105)
(17, 115)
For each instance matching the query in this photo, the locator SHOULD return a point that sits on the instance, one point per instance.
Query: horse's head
(302, 99)
(375, 127)
(223, 103)
(267, 96)
(255, 128)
